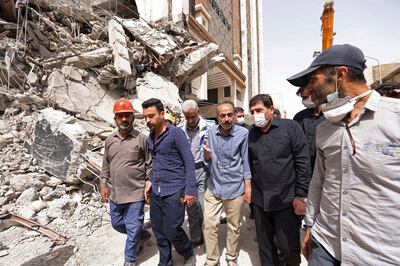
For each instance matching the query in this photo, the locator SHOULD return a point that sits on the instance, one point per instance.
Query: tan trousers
(212, 212)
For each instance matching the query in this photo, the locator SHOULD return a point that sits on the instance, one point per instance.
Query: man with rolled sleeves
(126, 164)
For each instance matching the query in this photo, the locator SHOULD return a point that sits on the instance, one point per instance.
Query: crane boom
(327, 25)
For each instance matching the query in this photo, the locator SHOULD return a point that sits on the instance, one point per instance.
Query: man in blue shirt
(172, 183)
(229, 184)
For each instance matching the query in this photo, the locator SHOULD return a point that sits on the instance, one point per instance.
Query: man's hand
(189, 200)
(247, 191)
(207, 151)
(299, 206)
(147, 191)
(306, 244)
(105, 194)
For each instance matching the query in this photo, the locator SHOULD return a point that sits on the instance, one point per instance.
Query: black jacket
(279, 163)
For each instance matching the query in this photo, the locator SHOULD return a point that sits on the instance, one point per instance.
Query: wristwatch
(305, 200)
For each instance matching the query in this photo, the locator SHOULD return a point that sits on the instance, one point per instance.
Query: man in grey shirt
(126, 165)
(353, 202)
(226, 154)
(196, 130)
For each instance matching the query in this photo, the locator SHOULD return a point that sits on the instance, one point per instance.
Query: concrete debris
(117, 40)
(152, 84)
(57, 143)
(157, 41)
(195, 59)
(90, 59)
(58, 84)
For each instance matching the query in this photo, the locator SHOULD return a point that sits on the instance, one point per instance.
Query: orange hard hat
(123, 106)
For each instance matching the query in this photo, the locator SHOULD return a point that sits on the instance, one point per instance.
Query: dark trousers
(127, 218)
(321, 257)
(283, 224)
(167, 215)
(195, 212)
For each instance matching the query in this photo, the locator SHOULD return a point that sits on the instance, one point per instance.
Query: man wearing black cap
(354, 192)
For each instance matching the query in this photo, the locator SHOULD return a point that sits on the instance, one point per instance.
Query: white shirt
(354, 200)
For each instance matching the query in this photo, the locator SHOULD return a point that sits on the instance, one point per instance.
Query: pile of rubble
(62, 66)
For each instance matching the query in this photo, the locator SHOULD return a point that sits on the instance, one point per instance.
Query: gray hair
(188, 104)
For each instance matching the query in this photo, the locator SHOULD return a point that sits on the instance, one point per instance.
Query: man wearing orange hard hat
(126, 165)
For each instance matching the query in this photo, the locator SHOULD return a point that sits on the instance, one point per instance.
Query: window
(212, 95)
(227, 91)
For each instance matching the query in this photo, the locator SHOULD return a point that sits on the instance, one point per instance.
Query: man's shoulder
(302, 115)
(111, 137)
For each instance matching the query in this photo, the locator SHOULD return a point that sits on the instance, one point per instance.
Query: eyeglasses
(353, 143)
(229, 115)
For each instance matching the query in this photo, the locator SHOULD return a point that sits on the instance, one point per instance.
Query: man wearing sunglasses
(352, 211)
(225, 154)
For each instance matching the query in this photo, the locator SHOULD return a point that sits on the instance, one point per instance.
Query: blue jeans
(321, 257)
(195, 212)
(167, 215)
(127, 218)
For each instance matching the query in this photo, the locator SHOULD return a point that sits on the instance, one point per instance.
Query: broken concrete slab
(101, 100)
(28, 196)
(19, 183)
(57, 143)
(72, 73)
(90, 59)
(195, 59)
(95, 128)
(157, 41)
(117, 40)
(153, 85)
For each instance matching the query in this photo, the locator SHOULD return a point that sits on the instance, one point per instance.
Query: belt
(198, 165)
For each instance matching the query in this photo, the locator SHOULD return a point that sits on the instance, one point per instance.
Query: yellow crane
(327, 25)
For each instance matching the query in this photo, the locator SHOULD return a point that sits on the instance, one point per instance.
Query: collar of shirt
(373, 101)
(231, 131)
(162, 135)
(133, 132)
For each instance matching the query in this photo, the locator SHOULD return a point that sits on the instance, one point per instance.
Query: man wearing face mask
(126, 164)
(239, 113)
(309, 119)
(352, 212)
(280, 168)
(225, 153)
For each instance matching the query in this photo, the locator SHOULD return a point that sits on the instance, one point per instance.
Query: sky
(292, 32)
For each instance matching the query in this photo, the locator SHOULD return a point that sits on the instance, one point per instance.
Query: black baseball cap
(337, 55)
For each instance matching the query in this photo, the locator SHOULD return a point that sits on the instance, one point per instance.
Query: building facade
(236, 26)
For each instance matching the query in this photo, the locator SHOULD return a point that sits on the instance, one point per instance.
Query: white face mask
(338, 108)
(308, 103)
(259, 120)
(333, 95)
(240, 120)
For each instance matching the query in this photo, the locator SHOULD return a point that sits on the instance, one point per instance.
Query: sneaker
(129, 263)
(231, 263)
(191, 261)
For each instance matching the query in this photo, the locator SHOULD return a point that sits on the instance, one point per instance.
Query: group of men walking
(208, 168)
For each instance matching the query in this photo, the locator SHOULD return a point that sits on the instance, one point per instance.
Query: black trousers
(167, 215)
(283, 224)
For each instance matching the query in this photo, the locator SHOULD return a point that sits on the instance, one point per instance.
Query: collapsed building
(62, 66)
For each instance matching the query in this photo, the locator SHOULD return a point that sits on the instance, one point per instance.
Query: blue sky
(292, 33)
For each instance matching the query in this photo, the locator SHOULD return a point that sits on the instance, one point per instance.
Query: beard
(124, 126)
(321, 92)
